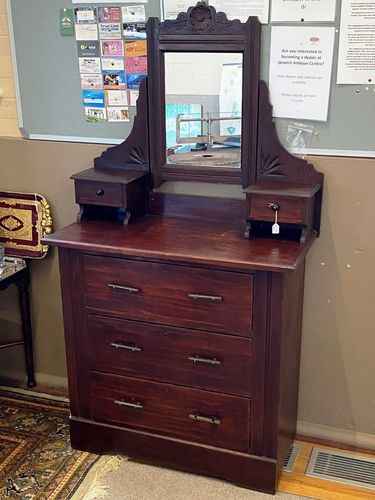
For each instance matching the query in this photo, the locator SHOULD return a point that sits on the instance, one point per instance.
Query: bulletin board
(49, 84)
(50, 98)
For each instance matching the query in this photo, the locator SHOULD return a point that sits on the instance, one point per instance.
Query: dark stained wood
(167, 354)
(99, 191)
(71, 267)
(215, 33)
(197, 208)
(176, 240)
(290, 348)
(182, 336)
(133, 153)
(108, 175)
(248, 471)
(275, 163)
(291, 209)
(271, 378)
(22, 281)
(166, 409)
(289, 189)
(204, 299)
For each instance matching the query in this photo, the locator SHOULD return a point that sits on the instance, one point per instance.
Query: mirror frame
(202, 29)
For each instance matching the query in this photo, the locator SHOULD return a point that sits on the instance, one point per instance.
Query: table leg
(23, 291)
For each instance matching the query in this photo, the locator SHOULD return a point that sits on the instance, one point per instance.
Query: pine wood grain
(320, 489)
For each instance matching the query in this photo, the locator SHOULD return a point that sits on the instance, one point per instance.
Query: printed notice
(89, 65)
(108, 1)
(110, 31)
(86, 31)
(303, 10)
(171, 8)
(113, 64)
(93, 81)
(117, 97)
(118, 114)
(356, 62)
(234, 9)
(242, 9)
(300, 71)
(134, 14)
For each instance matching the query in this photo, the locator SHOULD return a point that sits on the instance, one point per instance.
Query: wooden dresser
(183, 344)
(183, 303)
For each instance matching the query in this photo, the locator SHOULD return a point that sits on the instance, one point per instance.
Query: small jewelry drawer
(168, 294)
(206, 417)
(216, 362)
(99, 193)
(290, 210)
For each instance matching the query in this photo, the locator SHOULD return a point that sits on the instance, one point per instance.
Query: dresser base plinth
(248, 471)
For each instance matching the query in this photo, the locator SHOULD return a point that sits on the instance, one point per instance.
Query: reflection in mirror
(203, 99)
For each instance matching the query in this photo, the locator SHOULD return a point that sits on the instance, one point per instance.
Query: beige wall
(337, 366)
(8, 108)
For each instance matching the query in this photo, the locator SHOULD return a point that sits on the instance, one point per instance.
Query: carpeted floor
(37, 463)
(134, 481)
(36, 460)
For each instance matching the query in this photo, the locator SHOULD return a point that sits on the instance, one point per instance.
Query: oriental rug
(36, 460)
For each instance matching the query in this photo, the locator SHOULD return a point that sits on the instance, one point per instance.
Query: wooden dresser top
(185, 241)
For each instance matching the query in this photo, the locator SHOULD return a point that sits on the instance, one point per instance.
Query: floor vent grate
(342, 467)
(291, 458)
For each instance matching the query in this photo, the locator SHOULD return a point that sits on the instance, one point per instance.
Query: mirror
(203, 107)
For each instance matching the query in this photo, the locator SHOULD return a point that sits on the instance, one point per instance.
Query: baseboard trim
(342, 436)
(43, 379)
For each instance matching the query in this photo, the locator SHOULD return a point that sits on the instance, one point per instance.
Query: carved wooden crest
(200, 19)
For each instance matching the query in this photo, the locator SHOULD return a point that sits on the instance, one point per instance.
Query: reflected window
(203, 109)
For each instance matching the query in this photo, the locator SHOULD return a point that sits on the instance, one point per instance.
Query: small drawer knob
(100, 192)
(274, 206)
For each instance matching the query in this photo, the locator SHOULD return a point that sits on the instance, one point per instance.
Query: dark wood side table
(21, 278)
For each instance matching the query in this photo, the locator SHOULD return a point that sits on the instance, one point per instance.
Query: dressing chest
(183, 327)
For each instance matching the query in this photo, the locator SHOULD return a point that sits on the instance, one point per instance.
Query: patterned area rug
(36, 460)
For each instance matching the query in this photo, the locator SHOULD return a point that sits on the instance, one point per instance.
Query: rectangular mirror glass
(203, 99)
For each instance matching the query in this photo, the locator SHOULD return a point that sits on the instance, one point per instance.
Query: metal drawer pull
(136, 406)
(132, 348)
(201, 418)
(212, 298)
(122, 287)
(207, 361)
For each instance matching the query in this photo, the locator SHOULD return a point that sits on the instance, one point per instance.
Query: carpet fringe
(93, 486)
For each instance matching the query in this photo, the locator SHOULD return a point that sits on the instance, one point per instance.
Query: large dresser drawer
(202, 416)
(208, 361)
(170, 294)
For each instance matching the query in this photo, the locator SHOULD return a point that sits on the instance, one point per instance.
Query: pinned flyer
(300, 71)
(112, 48)
(303, 10)
(109, 14)
(95, 115)
(89, 65)
(116, 97)
(118, 114)
(93, 81)
(356, 62)
(133, 14)
(85, 15)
